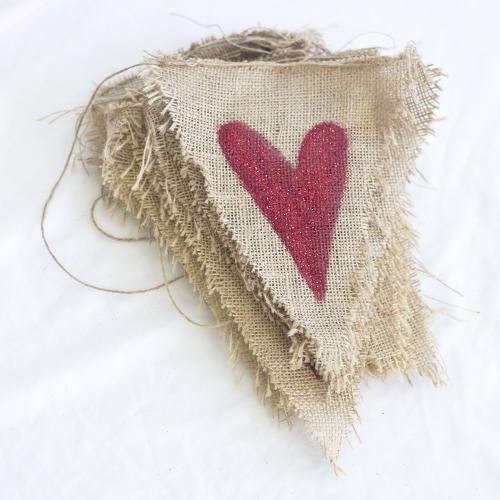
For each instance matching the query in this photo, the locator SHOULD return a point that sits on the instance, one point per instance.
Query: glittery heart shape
(302, 204)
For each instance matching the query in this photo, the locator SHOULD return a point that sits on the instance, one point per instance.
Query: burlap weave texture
(156, 135)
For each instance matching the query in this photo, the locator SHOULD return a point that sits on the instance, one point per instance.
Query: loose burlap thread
(154, 137)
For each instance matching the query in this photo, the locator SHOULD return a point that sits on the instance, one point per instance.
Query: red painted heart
(302, 204)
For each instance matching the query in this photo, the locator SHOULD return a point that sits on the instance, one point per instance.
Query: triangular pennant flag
(275, 172)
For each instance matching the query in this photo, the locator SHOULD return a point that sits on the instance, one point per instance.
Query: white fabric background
(117, 397)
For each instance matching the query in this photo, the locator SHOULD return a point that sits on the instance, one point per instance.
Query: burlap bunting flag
(275, 172)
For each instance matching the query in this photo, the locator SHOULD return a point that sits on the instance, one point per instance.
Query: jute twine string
(58, 182)
(174, 302)
(166, 281)
(106, 233)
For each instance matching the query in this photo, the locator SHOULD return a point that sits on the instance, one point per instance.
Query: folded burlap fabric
(275, 173)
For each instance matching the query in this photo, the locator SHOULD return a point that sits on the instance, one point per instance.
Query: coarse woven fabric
(383, 103)
(160, 159)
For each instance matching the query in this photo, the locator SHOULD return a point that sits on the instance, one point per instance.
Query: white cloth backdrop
(117, 397)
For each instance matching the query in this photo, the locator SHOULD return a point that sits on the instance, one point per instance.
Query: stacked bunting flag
(274, 171)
